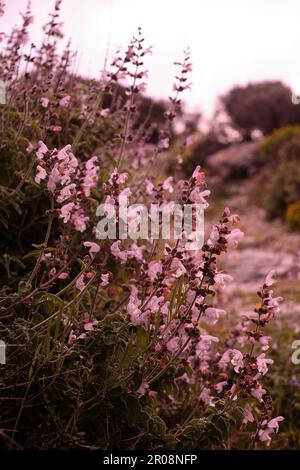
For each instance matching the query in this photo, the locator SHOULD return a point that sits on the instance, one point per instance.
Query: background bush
(281, 175)
(293, 216)
(263, 106)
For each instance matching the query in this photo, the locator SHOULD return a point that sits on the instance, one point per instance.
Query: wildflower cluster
(113, 340)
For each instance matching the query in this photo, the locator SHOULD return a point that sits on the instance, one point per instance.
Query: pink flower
(24, 38)
(221, 279)
(148, 51)
(41, 174)
(177, 267)
(205, 397)
(65, 101)
(104, 112)
(219, 386)
(44, 102)
(105, 279)
(198, 197)
(115, 250)
(235, 357)
(264, 341)
(66, 192)
(173, 345)
(167, 184)
(93, 247)
(154, 303)
(80, 284)
(234, 220)
(182, 87)
(2, 8)
(211, 315)
(30, 148)
(199, 175)
(264, 436)
(65, 211)
(42, 150)
(149, 187)
(136, 252)
(88, 326)
(142, 87)
(248, 416)
(234, 238)
(52, 272)
(126, 192)
(79, 220)
(135, 314)
(204, 346)
(273, 424)
(63, 154)
(270, 278)
(154, 269)
(164, 143)
(233, 395)
(262, 363)
(90, 177)
(63, 276)
(258, 392)
(45, 256)
(55, 128)
(273, 305)
(109, 201)
(208, 339)
(237, 360)
(269, 428)
(54, 178)
(214, 236)
(119, 178)
(90, 164)
(143, 388)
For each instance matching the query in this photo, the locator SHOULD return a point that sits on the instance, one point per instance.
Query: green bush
(271, 145)
(281, 177)
(293, 216)
(282, 189)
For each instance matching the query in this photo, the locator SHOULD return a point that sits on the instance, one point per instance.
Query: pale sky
(232, 41)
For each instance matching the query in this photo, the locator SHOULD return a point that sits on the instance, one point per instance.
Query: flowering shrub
(113, 343)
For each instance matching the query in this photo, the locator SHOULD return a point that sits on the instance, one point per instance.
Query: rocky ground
(267, 245)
